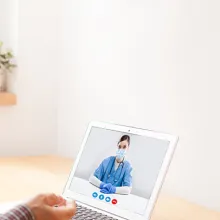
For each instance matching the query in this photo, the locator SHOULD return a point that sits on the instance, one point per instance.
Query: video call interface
(119, 169)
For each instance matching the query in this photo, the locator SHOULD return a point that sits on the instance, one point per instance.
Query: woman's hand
(51, 207)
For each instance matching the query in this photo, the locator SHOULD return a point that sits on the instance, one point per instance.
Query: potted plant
(6, 66)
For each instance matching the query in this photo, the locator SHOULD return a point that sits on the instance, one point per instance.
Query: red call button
(114, 201)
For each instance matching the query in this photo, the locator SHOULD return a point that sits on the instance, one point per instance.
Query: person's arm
(43, 206)
(110, 189)
(20, 212)
(126, 187)
(126, 184)
(123, 190)
(96, 177)
(95, 181)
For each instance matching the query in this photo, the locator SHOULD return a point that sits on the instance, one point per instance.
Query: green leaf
(6, 58)
(9, 55)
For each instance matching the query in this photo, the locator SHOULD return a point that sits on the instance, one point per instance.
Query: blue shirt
(120, 177)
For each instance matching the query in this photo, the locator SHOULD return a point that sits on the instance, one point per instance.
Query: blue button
(101, 197)
(107, 199)
(95, 195)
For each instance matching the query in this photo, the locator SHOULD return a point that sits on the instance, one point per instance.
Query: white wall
(30, 127)
(8, 23)
(151, 64)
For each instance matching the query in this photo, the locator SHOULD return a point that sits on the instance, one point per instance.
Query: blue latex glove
(102, 185)
(108, 189)
(104, 191)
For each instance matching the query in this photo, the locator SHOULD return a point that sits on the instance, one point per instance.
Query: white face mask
(120, 154)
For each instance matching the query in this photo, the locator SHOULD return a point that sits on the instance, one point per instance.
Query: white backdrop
(145, 155)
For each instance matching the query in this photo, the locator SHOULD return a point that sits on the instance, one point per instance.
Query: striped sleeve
(20, 212)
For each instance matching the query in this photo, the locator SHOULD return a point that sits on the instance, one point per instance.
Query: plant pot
(3, 78)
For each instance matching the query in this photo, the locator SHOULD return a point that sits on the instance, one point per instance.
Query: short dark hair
(125, 138)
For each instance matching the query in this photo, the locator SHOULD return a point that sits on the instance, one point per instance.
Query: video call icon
(107, 199)
(101, 197)
(114, 201)
(95, 195)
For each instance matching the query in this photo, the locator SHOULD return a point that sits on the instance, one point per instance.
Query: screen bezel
(123, 214)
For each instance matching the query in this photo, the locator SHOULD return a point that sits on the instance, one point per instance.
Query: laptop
(119, 171)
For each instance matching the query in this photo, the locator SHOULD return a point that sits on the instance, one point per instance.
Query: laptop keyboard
(84, 213)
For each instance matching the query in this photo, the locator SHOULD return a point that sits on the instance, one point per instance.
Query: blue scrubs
(120, 177)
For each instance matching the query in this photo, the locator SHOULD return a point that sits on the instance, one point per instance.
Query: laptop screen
(119, 169)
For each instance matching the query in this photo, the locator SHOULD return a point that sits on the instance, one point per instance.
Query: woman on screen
(114, 173)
